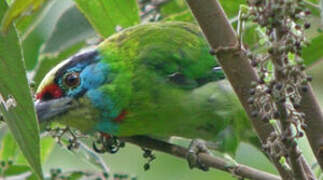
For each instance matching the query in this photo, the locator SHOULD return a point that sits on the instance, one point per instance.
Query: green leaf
(34, 40)
(231, 7)
(16, 170)
(31, 46)
(76, 175)
(227, 141)
(185, 16)
(173, 7)
(71, 28)
(21, 119)
(106, 15)
(18, 8)
(46, 144)
(178, 10)
(9, 149)
(26, 24)
(312, 53)
(250, 34)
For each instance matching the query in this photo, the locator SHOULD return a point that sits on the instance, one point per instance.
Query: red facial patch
(51, 91)
(121, 116)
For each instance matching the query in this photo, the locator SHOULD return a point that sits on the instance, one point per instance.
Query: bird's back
(167, 82)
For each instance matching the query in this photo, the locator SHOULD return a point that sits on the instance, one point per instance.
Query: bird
(155, 79)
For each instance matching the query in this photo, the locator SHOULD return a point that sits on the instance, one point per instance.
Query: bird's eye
(72, 79)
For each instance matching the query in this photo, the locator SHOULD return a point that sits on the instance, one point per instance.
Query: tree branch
(233, 60)
(215, 162)
(92, 155)
(314, 121)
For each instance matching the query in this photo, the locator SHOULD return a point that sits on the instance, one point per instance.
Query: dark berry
(304, 88)
(146, 167)
(251, 100)
(296, 106)
(278, 86)
(252, 92)
(307, 25)
(212, 52)
(254, 113)
(276, 114)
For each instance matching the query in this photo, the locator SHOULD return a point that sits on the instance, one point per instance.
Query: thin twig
(239, 170)
(312, 4)
(94, 155)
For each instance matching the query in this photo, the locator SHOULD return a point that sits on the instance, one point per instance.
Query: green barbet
(154, 79)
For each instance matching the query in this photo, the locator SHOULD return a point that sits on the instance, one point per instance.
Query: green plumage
(162, 76)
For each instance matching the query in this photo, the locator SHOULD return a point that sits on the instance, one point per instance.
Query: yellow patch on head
(50, 76)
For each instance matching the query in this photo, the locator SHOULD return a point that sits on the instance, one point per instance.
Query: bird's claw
(111, 144)
(197, 146)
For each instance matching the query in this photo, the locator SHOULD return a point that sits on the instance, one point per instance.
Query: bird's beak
(47, 110)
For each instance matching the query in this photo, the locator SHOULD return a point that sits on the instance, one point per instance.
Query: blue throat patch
(102, 102)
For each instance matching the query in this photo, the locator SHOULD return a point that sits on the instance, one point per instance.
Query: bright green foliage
(176, 10)
(40, 31)
(10, 153)
(176, 7)
(46, 147)
(71, 28)
(185, 16)
(20, 119)
(173, 8)
(26, 24)
(106, 15)
(15, 169)
(10, 149)
(18, 8)
(231, 7)
(313, 53)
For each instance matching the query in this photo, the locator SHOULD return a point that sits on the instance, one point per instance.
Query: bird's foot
(197, 146)
(108, 143)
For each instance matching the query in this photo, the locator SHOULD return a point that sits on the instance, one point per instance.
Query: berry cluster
(58, 133)
(149, 156)
(278, 93)
(58, 174)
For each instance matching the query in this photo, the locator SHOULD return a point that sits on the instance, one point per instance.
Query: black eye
(72, 79)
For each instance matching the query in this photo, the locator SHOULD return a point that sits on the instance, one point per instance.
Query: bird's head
(64, 90)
